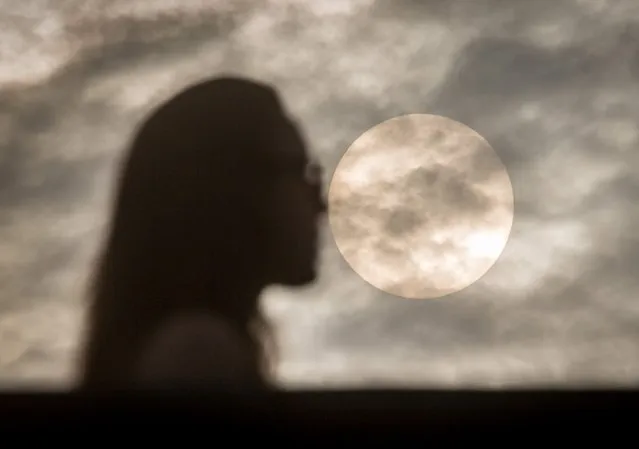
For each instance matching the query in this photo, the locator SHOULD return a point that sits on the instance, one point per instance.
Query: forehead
(290, 144)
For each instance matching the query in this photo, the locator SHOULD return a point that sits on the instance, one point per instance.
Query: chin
(300, 278)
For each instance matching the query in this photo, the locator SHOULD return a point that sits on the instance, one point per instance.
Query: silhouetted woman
(218, 200)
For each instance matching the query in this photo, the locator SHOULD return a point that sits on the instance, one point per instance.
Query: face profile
(218, 198)
(293, 209)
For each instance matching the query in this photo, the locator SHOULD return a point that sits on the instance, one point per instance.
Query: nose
(314, 176)
(319, 198)
(323, 204)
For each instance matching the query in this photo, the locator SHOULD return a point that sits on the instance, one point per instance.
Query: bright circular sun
(420, 206)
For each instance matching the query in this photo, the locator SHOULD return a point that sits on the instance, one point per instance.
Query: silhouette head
(221, 169)
(218, 199)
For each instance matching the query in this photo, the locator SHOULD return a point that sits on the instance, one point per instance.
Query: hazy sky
(552, 85)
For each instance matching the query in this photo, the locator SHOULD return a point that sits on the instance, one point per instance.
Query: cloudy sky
(553, 85)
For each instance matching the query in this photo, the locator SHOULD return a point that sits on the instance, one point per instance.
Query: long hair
(186, 225)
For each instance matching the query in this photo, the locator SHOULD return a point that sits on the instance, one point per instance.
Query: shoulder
(197, 349)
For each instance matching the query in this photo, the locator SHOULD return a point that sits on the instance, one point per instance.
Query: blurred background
(553, 85)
